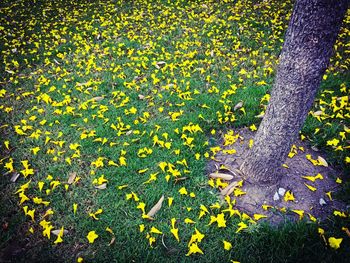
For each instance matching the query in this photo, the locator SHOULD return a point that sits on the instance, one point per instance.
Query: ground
(312, 187)
(106, 106)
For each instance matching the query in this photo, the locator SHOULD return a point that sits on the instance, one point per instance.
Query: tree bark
(305, 55)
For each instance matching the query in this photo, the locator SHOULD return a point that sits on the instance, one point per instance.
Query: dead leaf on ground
(238, 105)
(101, 186)
(14, 177)
(112, 241)
(160, 64)
(179, 179)
(141, 97)
(129, 132)
(71, 178)
(228, 188)
(156, 208)
(322, 161)
(56, 232)
(97, 99)
(226, 177)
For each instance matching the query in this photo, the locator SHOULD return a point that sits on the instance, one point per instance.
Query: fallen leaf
(160, 64)
(97, 99)
(322, 161)
(238, 105)
(227, 189)
(101, 186)
(56, 232)
(226, 177)
(179, 179)
(92, 236)
(346, 231)
(112, 241)
(14, 177)
(72, 177)
(156, 207)
(141, 97)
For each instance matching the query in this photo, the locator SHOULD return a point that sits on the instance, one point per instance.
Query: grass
(88, 89)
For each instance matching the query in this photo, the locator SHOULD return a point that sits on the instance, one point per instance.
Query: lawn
(108, 107)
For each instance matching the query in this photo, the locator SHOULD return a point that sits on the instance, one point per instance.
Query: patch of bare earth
(276, 201)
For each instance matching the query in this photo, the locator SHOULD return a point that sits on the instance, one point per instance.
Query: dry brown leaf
(81, 84)
(14, 177)
(318, 113)
(141, 97)
(322, 161)
(57, 231)
(238, 105)
(112, 241)
(226, 177)
(97, 99)
(180, 179)
(156, 208)
(230, 191)
(227, 189)
(129, 132)
(101, 186)
(160, 64)
(347, 231)
(72, 177)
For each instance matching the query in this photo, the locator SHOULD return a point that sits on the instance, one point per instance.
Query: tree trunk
(308, 46)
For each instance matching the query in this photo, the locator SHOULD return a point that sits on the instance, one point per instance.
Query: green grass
(205, 47)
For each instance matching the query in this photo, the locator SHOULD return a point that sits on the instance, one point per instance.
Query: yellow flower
(142, 228)
(227, 245)
(189, 221)
(183, 191)
(242, 226)
(194, 249)
(289, 196)
(92, 236)
(196, 237)
(155, 231)
(173, 230)
(334, 242)
(94, 215)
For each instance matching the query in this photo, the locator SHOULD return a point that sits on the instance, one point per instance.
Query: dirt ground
(307, 203)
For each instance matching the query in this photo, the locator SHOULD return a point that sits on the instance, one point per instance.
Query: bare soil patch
(312, 186)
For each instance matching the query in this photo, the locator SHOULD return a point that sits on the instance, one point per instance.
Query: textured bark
(308, 46)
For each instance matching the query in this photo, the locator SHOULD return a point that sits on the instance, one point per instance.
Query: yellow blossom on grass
(92, 236)
(94, 215)
(189, 221)
(334, 242)
(241, 226)
(183, 191)
(155, 231)
(141, 228)
(173, 230)
(194, 249)
(227, 245)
